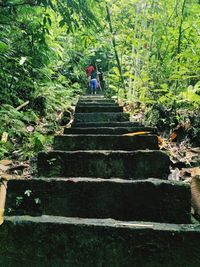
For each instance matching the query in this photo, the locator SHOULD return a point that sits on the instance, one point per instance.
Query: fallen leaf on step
(161, 142)
(136, 133)
(6, 162)
(191, 171)
(3, 167)
(196, 171)
(172, 137)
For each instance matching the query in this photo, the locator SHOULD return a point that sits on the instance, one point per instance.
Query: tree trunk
(180, 36)
(115, 50)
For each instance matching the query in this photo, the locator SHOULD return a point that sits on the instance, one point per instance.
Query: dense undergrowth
(185, 123)
(29, 130)
(41, 72)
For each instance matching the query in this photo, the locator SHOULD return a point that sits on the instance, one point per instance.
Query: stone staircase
(101, 199)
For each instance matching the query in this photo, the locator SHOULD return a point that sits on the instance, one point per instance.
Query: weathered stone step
(102, 101)
(101, 117)
(75, 242)
(88, 104)
(105, 124)
(109, 130)
(94, 97)
(146, 200)
(105, 142)
(89, 96)
(105, 164)
(94, 108)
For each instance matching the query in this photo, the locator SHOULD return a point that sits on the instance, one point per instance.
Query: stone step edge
(96, 104)
(98, 109)
(103, 113)
(125, 135)
(98, 180)
(107, 124)
(109, 131)
(106, 152)
(99, 100)
(95, 98)
(108, 223)
(76, 179)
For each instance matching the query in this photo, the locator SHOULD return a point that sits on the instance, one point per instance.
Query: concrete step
(97, 108)
(101, 117)
(109, 130)
(105, 142)
(105, 164)
(76, 242)
(105, 124)
(125, 200)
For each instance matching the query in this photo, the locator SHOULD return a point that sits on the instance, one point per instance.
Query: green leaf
(22, 60)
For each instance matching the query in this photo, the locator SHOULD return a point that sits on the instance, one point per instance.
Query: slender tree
(115, 49)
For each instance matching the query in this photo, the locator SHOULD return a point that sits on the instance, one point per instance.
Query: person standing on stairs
(89, 70)
(101, 79)
(93, 82)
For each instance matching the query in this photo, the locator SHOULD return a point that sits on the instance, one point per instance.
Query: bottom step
(74, 242)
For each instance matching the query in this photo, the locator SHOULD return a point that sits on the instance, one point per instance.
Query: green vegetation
(148, 50)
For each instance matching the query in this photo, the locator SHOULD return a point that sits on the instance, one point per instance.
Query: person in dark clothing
(93, 82)
(101, 79)
(94, 75)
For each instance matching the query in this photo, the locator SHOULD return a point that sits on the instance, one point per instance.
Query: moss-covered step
(109, 130)
(97, 108)
(75, 242)
(74, 142)
(105, 124)
(147, 200)
(105, 164)
(101, 117)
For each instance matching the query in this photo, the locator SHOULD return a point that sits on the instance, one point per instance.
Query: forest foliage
(148, 50)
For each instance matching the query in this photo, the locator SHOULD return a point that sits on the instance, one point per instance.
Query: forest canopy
(148, 50)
